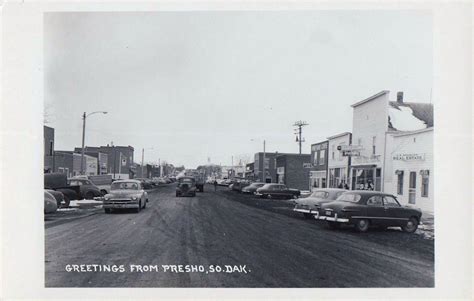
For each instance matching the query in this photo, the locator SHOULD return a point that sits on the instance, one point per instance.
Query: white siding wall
(338, 160)
(370, 120)
(423, 144)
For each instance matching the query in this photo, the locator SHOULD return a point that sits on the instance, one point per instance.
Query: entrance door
(412, 188)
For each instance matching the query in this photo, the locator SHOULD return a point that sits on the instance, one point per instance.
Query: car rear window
(349, 197)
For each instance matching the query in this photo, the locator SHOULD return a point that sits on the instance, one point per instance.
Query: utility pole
(299, 125)
(83, 140)
(143, 157)
(264, 176)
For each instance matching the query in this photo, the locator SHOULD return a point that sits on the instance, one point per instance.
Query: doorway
(412, 188)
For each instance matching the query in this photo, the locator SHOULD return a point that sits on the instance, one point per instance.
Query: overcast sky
(199, 85)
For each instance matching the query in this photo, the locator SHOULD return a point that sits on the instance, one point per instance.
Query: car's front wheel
(411, 225)
(107, 210)
(139, 207)
(89, 195)
(362, 225)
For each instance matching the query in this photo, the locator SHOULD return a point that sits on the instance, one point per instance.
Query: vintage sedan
(252, 188)
(310, 206)
(369, 208)
(88, 190)
(186, 187)
(274, 190)
(125, 194)
(50, 204)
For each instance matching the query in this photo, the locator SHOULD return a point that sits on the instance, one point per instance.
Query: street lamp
(84, 116)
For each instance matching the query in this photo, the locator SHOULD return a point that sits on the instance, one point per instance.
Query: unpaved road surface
(262, 242)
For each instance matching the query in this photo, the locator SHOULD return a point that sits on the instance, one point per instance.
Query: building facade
(265, 173)
(338, 160)
(293, 170)
(48, 143)
(319, 161)
(64, 162)
(412, 162)
(119, 159)
(375, 122)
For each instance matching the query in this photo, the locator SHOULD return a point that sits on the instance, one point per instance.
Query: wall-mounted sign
(350, 153)
(350, 147)
(319, 147)
(409, 157)
(366, 159)
(306, 165)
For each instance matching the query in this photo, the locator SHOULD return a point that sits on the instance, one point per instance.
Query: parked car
(369, 208)
(310, 205)
(239, 185)
(186, 187)
(273, 190)
(125, 194)
(146, 183)
(50, 204)
(59, 182)
(60, 199)
(252, 188)
(87, 189)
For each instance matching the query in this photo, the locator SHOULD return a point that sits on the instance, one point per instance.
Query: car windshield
(124, 186)
(320, 194)
(349, 197)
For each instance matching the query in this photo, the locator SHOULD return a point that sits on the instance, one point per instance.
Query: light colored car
(50, 203)
(125, 194)
(309, 206)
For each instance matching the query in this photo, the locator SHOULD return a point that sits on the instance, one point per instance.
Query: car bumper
(121, 206)
(334, 218)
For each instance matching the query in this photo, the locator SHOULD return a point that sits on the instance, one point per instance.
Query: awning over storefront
(370, 166)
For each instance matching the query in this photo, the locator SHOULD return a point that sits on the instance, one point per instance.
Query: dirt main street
(256, 243)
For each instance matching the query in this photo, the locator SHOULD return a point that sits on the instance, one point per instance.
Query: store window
(425, 183)
(400, 183)
(322, 155)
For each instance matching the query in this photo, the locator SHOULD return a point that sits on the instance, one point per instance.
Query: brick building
(293, 170)
(119, 159)
(270, 167)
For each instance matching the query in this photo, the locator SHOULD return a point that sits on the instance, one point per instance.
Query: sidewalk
(426, 228)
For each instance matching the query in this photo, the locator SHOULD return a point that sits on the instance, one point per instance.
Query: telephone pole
(299, 125)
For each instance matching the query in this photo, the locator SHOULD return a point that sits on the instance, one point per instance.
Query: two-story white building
(376, 121)
(338, 161)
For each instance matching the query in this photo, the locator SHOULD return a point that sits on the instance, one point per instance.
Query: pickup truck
(59, 182)
(102, 182)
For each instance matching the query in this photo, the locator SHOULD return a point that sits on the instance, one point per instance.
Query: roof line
(381, 93)
(338, 135)
(413, 132)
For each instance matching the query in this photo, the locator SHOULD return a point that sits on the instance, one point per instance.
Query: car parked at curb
(87, 189)
(61, 201)
(186, 187)
(252, 188)
(50, 204)
(369, 208)
(274, 190)
(239, 185)
(125, 194)
(310, 205)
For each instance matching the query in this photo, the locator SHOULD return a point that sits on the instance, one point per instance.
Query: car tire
(144, 205)
(308, 215)
(362, 225)
(67, 202)
(411, 225)
(89, 195)
(137, 210)
(333, 225)
(107, 210)
(103, 192)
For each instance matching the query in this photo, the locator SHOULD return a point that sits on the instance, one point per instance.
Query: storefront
(319, 165)
(412, 163)
(366, 177)
(339, 160)
(317, 179)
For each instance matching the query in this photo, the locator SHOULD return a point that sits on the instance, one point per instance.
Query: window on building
(51, 147)
(322, 155)
(373, 145)
(400, 183)
(425, 183)
(333, 149)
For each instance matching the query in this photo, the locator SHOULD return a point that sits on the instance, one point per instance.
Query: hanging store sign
(350, 153)
(409, 157)
(350, 147)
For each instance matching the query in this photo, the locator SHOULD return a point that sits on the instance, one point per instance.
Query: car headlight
(106, 198)
(134, 198)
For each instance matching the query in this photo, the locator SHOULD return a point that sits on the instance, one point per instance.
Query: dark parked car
(239, 185)
(252, 188)
(61, 201)
(87, 189)
(186, 187)
(368, 208)
(277, 191)
(310, 205)
(146, 183)
(59, 182)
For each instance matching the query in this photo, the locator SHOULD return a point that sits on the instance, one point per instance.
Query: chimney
(400, 97)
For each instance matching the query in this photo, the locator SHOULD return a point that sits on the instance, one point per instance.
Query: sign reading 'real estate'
(409, 157)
